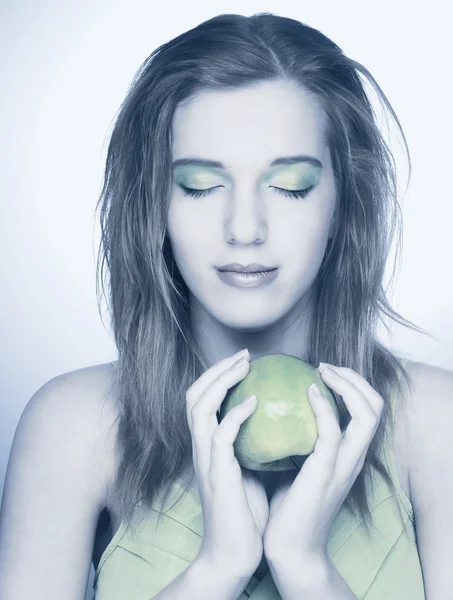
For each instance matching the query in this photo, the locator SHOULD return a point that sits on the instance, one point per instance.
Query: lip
(247, 280)
(251, 268)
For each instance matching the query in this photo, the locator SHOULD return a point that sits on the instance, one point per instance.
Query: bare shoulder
(428, 382)
(430, 456)
(85, 400)
(429, 416)
(59, 471)
(75, 412)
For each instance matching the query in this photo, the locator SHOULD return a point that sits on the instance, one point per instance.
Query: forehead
(248, 126)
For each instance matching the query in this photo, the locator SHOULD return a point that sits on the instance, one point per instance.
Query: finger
(374, 399)
(360, 430)
(329, 433)
(352, 451)
(356, 402)
(320, 465)
(207, 378)
(222, 449)
(203, 413)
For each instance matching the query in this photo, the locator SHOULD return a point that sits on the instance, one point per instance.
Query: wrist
(308, 568)
(309, 577)
(203, 579)
(223, 569)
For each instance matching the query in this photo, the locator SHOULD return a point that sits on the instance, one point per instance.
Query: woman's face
(257, 137)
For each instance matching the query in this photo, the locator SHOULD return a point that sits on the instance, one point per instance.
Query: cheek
(309, 230)
(191, 243)
(306, 244)
(179, 235)
(193, 226)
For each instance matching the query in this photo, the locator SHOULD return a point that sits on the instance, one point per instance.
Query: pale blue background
(65, 68)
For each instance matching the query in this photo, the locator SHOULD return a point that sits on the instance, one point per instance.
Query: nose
(245, 219)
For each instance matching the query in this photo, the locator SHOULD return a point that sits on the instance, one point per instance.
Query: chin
(248, 324)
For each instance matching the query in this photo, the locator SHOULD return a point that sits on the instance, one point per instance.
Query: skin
(35, 530)
(244, 219)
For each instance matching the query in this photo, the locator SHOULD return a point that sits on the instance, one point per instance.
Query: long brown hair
(158, 358)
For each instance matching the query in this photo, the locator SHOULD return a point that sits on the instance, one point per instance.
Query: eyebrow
(282, 160)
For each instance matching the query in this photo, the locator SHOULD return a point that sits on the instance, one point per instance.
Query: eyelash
(289, 193)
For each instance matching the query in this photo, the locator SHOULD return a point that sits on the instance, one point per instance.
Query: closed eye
(289, 193)
(294, 193)
(197, 193)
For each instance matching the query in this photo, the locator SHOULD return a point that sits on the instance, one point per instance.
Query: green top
(385, 566)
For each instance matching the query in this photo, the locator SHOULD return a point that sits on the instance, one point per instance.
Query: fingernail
(249, 400)
(242, 353)
(315, 390)
(330, 372)
(240, 362)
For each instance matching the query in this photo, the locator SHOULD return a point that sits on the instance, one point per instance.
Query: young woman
(244, 141)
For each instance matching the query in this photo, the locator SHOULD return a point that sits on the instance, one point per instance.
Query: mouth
(247, 279)
(246, 272)
(251, 268)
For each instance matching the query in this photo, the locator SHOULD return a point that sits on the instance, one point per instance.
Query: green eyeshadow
(196, 177)
(290, 177)
(294, 177)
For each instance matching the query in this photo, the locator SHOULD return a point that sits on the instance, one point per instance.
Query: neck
(287, 335)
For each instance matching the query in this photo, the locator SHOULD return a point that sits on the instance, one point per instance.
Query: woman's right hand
(232, 531)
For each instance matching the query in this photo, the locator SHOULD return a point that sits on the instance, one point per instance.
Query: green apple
(282, 429)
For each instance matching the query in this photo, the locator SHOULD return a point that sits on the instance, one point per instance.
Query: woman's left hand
(301, 513)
